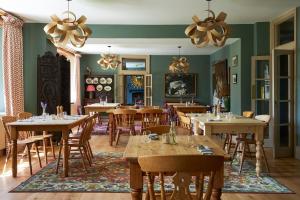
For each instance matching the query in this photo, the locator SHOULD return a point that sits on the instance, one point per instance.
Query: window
(133, 64)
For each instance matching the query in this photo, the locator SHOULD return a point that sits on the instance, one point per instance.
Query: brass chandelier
(211, 30)
(109, 61)
(180, 64)
(68, 28)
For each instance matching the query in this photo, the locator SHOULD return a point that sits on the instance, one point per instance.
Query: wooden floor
(286, 171)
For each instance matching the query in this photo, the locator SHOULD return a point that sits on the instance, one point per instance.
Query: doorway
(134, 90)
(283, 105)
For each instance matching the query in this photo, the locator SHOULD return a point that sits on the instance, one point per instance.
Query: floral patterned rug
(110, 173)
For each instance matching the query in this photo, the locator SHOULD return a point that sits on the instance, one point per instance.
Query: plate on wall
(95, 80)
(109, 80)
(89, 81)
(107, 88)
(99, 88)
(102, 80)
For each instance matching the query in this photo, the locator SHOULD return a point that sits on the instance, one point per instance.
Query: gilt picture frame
(180, 85)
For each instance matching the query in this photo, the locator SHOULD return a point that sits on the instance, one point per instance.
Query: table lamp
(90, 89)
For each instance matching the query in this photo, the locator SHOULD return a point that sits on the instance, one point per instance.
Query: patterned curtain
(12, 52)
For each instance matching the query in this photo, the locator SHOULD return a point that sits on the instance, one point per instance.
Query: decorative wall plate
(95, 80)
(89, 81)
(102, 80)
(99, 87)
(107, 88)
(109, 80)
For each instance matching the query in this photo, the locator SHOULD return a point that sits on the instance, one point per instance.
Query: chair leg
(82, 158)
(90, 149)
(45, 149)
(265, 159)
(29, 158)
(235, 150)
(58, 159)
(118, 136)
(8, 155)
(242, 158)
(52, 147)
(225, 141)
(85, 151)
(38, 154)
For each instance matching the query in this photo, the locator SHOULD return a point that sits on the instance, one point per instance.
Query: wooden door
(283, 104)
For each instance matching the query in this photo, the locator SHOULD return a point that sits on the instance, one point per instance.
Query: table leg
(259, 140)
(14, 137)
(216, 194)
(136, 181)
(111, 129)
(65, 135)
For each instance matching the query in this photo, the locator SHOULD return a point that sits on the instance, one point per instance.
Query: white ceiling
(145, 46)
(149, 11)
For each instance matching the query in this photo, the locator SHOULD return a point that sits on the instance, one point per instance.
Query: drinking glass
(145, 136)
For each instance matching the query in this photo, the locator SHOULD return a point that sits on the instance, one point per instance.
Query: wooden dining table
(233, 125)
(137, 146)
(47, 123)
(100, 107)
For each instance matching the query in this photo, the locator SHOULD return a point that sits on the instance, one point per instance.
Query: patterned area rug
(110, 173)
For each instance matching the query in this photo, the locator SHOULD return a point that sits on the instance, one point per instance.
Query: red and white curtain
(12, 55)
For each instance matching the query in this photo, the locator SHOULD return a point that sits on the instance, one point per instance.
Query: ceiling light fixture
(109, 61)
(180, 64)
(60, 31)
(211, 30)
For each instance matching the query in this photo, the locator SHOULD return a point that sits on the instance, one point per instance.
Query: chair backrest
(5, 120)
(192, 109)
(179, 113)
(185, 122)
(151, 117)
(161, 129)
(87, 127)
(197, 164)
(248, 114)
(24, 115)
(124, 117)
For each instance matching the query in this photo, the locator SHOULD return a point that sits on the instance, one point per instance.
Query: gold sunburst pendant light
(179, 65)
(109, 61)
(211, 30)
(60, 31)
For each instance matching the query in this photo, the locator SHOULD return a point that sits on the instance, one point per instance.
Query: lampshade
(90, 88)
(60, 31)
(212, 30)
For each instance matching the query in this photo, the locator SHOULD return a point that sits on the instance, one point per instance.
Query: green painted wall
(2, 108)
(261, 39)
(159, 66)
(228, 52)
(35, 43)
(198, 64)
(298, 77)
(90, 60)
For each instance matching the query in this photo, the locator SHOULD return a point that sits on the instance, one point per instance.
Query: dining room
(149, 99)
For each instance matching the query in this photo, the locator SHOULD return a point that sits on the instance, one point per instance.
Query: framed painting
(180, 85)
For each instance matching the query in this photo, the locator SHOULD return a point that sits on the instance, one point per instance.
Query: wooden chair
(28, 142)
(185, 122)
(151, 117)
(124, 121)
(198, 165)
(79, 144)
(228, 144)
(244, 142)
(45, 138)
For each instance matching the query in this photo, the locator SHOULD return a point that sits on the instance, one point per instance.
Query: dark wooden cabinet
(53, 82)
